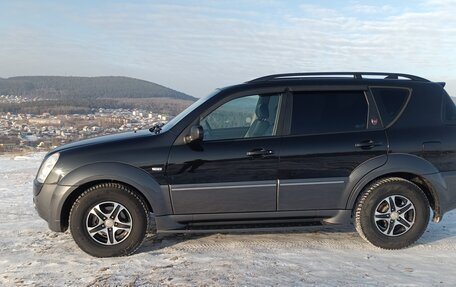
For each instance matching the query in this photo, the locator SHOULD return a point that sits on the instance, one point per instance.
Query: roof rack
(355, 75)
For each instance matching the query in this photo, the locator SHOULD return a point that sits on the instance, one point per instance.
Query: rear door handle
(259, 152)
(368, 144)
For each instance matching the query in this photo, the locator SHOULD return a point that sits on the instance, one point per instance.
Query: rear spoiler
(442, 84)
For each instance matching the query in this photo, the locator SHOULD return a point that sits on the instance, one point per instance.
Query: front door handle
(259, 152)
(368, 144)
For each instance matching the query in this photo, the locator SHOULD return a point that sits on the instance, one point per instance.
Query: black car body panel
(282, 177)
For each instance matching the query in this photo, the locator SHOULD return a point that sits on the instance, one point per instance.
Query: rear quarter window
(390, 102)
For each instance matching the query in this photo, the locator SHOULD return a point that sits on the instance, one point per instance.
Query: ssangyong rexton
(277, 152)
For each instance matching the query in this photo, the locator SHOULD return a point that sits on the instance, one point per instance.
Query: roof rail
(355, 75)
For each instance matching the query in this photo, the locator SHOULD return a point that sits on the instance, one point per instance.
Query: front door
(234, 168)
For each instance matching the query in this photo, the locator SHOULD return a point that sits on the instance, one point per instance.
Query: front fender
(157, 195)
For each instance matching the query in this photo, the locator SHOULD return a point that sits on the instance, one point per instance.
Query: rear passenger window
(449, 110)
(390, 102)
(328, 112)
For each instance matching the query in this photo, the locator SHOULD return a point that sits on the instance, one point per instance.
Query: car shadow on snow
(156, 242)
(438, 232)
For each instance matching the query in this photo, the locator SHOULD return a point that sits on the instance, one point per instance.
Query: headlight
(47, 167)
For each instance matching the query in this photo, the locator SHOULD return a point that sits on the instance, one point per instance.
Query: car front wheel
(109, 220)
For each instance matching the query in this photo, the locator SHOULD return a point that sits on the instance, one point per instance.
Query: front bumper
(47, 203)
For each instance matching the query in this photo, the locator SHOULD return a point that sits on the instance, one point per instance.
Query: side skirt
(254, 221)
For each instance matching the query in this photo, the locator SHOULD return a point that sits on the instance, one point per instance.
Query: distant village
(30, 132)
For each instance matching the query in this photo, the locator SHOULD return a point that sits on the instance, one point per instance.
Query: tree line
(85, 106)
(54, 87)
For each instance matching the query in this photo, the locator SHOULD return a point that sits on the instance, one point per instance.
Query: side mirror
(196, 133)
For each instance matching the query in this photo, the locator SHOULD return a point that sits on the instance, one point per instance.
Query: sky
(197, 46)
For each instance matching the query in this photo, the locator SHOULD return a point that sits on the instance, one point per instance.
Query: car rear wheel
(108, 220)
(392, 213)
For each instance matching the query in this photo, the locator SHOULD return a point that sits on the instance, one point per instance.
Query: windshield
(187, 111)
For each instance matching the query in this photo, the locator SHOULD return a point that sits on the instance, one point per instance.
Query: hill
(66, 95)
(70, 88)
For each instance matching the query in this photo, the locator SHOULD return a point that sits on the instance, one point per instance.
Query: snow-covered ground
(30, 254)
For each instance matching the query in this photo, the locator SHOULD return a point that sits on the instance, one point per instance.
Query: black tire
(132, 211)
(373, 205)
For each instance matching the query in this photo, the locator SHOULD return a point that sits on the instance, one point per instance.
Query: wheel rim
(395, 215)
(109, 223)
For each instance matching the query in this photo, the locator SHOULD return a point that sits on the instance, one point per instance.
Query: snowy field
(31, 255)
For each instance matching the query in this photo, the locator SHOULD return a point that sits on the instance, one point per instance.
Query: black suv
(281, 151)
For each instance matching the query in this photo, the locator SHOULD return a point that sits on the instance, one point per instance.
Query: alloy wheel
(394, 215)
(109, 223)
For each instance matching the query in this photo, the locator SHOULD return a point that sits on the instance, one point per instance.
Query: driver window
(245, 117)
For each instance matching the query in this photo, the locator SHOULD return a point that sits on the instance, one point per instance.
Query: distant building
(28, 138)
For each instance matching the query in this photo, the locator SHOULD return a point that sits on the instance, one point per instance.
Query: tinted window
(249, 116)
(328, 112)
(449, 112)
(390, 102)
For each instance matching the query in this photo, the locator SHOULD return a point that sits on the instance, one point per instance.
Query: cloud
(201, 45)
(370, 9)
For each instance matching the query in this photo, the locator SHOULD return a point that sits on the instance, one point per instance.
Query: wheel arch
(155, 196)
(69, 201)
(420, 181)
(410, 167)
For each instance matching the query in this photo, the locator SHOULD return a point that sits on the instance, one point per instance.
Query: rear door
(330, 134)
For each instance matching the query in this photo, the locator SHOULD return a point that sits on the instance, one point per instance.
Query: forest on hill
(62, 95)
(55, 87)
